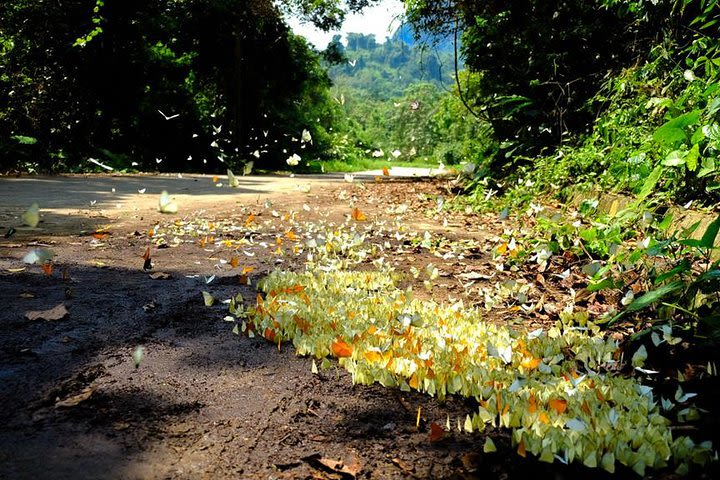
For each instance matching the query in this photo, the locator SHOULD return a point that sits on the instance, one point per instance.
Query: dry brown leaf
(436, 432)
(404, 466)
(348, 468)
(160, 276)
(56, 313)
(75, 399)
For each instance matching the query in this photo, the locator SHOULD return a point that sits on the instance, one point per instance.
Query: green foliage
(89, 77)
(539, 62)
(397, 99)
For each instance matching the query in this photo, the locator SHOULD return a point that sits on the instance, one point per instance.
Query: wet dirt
(205, 403)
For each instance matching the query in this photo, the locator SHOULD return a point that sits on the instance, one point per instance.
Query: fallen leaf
(16, 270)
(436, 432)
(56, 313)
(349, 468)
(234, 262)
(250, 219)
(404, 466)
(386, 171)
(160, 276)
(75, 399)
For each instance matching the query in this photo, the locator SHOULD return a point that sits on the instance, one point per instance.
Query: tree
(86, 78)
(540, 62)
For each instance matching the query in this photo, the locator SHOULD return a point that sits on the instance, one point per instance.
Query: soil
(204, 402)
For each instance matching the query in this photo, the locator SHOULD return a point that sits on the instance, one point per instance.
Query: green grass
(361, 164)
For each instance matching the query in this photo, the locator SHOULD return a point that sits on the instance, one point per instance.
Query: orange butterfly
(358, 216)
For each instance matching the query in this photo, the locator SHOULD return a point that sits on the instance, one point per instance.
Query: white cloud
(379, 20)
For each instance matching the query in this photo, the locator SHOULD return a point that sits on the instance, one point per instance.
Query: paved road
(119, 198)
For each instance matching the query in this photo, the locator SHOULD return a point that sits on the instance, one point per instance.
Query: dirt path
(205, 403)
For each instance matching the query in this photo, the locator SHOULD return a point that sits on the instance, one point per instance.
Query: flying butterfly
(166, 204)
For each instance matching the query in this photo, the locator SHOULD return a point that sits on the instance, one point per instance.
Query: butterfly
(166, 204)
(148, 263)
(32, 216)
(101, 165)
(248, 167)
(168, 117)
(232, 180)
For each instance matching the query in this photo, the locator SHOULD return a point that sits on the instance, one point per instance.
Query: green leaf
(709, 325)
(675, 158)
(601, 285)
(655, 296)
(682, 268)
(685, 120)
(650, 182)
(708, 238)
(673, 131)
(24, 140)
(708, 282)
(665, 224)
(691, 159)
(713, 106)
(707, 167)
(669, 136)
(712, 131)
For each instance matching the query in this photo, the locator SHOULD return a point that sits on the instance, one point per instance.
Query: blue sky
(379, 19)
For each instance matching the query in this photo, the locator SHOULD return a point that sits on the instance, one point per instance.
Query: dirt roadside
(204, 403)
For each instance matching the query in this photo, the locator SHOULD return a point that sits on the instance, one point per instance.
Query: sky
(379, 20)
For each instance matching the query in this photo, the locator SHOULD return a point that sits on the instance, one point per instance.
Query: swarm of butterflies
(554, 389)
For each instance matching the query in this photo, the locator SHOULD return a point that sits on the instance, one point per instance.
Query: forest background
(558, 94)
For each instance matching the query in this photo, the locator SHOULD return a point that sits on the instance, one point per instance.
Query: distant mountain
(406, 33)
(385, 70)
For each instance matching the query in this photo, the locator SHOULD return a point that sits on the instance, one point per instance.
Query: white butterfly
(232, 181)
(306, 137)
(266, 132)
(167, 205)
(352, 62)
(101, 165)
(248, 167)
(39, 256)
(31, 218)
(217, 130)
(170, 117)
